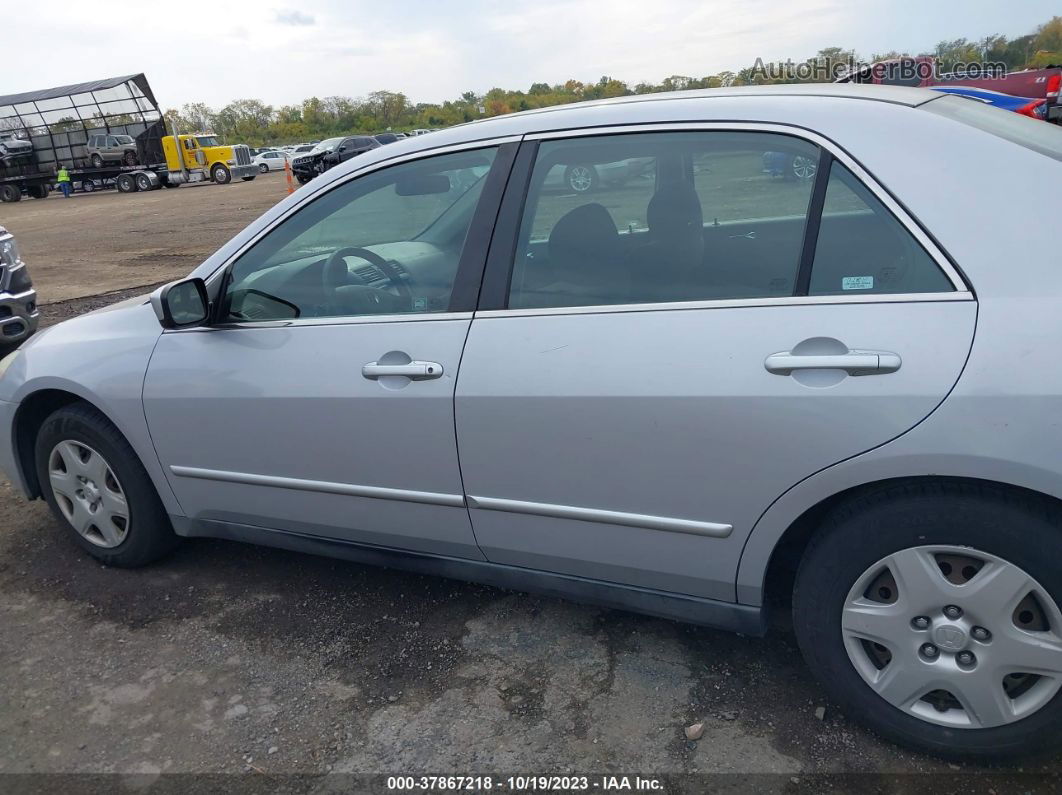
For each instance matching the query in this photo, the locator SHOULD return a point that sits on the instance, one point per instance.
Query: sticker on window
(857, 283)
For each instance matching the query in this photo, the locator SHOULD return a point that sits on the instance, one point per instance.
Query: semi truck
(75, 125)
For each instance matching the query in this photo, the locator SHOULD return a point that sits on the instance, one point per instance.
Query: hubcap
(804, 168)
(580, 179)
(88, 493)
(954, 636)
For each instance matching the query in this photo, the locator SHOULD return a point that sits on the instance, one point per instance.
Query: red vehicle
(921, 71)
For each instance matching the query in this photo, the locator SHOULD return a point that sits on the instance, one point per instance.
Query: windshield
(1039, 136)
(124, 139)
(326, 145)
(207, 140)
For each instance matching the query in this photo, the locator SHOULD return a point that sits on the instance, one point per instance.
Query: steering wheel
(336, 274)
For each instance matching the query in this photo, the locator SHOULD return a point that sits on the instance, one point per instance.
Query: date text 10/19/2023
(569, 783)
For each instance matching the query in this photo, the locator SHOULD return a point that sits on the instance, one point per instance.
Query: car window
(863, 248)
(660, 217)
(385, 243)
(112, 141)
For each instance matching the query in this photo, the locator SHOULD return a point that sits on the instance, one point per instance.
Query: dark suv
(328, 153)
(348, 148)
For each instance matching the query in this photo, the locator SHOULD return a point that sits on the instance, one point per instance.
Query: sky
(431, 51)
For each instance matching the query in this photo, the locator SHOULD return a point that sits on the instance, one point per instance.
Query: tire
(38, 191)
(581, 178)
(125, 183)
(167, 184)
(10, 193)
(130, 158)
(302, 179)
(96, 160)
(250, 178)
(220, 174)
(88, 185)
(143, 182)
(932, 533)
(79, 427)
(262, 168)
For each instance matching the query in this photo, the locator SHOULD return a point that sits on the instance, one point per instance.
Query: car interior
(712, 225)
(388, 243)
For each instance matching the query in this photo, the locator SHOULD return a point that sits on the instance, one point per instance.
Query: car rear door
(655, 362)
(337, 420)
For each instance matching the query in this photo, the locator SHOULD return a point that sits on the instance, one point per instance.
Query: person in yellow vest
(63, 178)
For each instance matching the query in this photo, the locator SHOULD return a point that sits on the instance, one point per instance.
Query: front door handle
(853, 362)
(416, 371)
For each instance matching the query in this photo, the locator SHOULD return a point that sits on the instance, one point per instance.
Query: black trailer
(57, 123)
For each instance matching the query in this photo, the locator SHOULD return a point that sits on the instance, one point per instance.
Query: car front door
(320, 401)
(659, 358)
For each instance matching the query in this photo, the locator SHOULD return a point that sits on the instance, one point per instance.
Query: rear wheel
(250, 178)
(129, 158)
(931, 612)
(98, 489)
(38, 191)
(10, 193)
(126, 183)
(143, 182)
(220, 174)
(88, 185)
(96, 160)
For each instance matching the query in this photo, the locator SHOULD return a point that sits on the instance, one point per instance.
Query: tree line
(256, 123)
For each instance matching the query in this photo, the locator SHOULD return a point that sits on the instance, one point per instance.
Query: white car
(273, 160)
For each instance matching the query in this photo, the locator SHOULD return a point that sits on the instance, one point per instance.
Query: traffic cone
(287, 171)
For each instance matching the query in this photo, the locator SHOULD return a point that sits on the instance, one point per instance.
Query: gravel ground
(234, 659)
(100, 242)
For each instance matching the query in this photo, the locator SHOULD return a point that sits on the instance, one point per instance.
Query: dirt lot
(100, 242)
(234, 659)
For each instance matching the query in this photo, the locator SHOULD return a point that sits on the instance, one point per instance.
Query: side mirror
(181, 304)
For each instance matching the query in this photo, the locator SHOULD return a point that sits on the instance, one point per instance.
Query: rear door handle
(853, 362)
(416, 371)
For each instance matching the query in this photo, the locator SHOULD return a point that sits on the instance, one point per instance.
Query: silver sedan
(694, 394)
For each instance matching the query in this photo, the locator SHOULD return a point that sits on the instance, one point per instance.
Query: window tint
(388, 242)
(863, 248)
(644, 218)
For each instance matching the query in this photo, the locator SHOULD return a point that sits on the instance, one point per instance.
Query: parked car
(103, 148)
(789, 166)
(745, 399)
(13, 146)
(587, 177)
(18, 299)
(271, 160)
(307, 166)
(387, 137)
(1036, 108)
(329, 153)
(349, 147)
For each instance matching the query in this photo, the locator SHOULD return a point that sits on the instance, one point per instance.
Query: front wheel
(97, 488)
(262, 168)
(931, 614)
(96, 160)
(220, 174)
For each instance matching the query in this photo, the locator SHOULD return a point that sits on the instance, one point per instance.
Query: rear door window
(663, 217)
